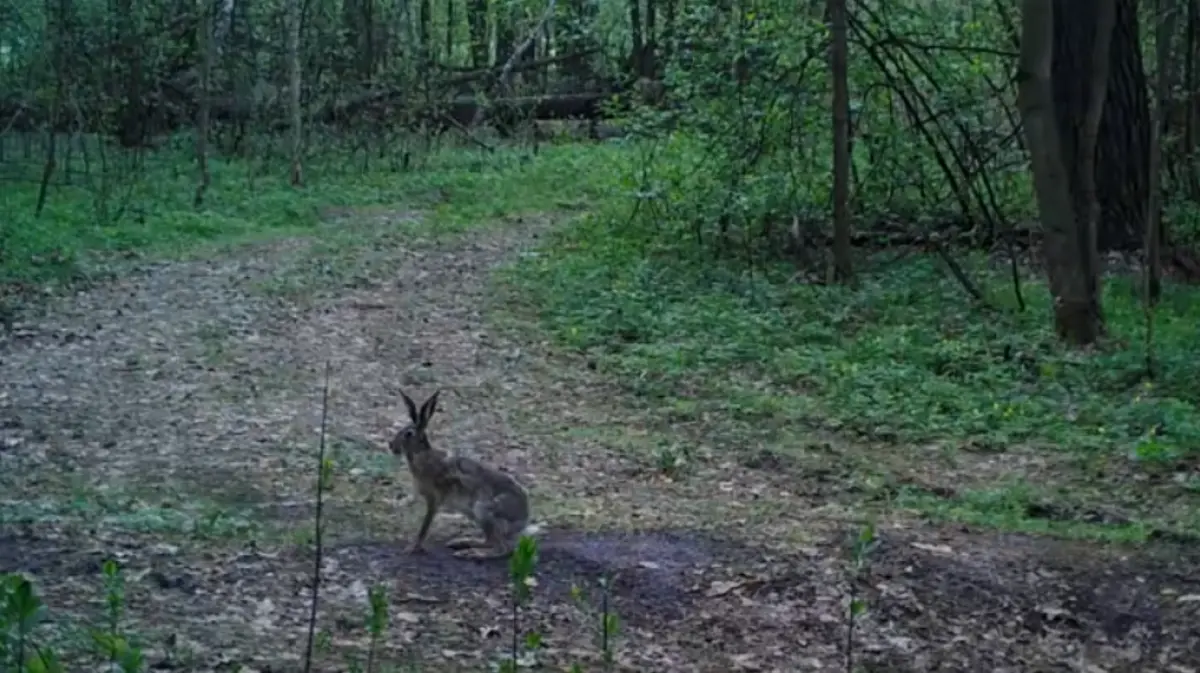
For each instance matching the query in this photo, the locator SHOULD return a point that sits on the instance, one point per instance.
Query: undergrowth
(906, 359)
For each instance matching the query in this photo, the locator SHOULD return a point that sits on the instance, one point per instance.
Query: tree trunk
(477, 20)
(133, 130)
(449, 55)
(506, 32)
(650, 57)
(1123, 140)
(842, 263)
(668, 32)
(425, 38)
(1191, 113)
(294, 81)
(1062, 154)
(1162, 92)
(208, 48)
(635, 27)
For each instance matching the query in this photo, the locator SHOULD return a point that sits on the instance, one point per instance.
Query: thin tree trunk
(59, 53)
(669, 29)
(1162, 92)
(477, 22)
(294, 81)
(635, 26)
(207, 45)
(424, 37)
(1085, 159)
(449, 31)
(650, 58)
(842, 263)
(1190, 110)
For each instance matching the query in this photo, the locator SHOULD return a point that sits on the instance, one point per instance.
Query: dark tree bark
(668, 32)
(294, 82)
(1162, 92)
(1123, 143)
(450, 18)
(208, 51)
(424, 35)
(506, 33)
(133, 115)
(477, 20)
(842, 263)
(1062, 149)
(650, 55)
(1185, 112)
(637, 54)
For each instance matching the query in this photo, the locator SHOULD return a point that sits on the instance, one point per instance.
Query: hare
(492, 499)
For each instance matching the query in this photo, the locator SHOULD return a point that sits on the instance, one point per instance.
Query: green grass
(80, 233)
(902, 364)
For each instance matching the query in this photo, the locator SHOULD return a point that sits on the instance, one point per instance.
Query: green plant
(606, 620)
(745, 357)
(21, 610)
(521, 567)
(377, 622)
(324, 479)
(111, 642)
(860, 550)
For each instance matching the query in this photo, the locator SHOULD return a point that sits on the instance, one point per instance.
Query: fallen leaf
(722, 587)
(407, 617)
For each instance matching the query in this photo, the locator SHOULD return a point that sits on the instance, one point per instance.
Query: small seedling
(861, 548)
(111, 643)
(606, 619)
(521, 567)
(377, 622)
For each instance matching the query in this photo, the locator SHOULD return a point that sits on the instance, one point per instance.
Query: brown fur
(492, 499)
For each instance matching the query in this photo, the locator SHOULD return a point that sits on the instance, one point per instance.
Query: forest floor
(169, 420)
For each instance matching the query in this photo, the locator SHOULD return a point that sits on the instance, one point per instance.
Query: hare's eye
(409, 432)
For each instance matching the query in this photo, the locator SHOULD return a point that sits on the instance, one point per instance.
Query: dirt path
(170, 420)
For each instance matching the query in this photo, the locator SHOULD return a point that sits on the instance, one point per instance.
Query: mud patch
(652, 575)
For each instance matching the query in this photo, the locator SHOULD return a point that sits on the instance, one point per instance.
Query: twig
(16, 115)
(957, 271)
(466, 131)
(316, 579)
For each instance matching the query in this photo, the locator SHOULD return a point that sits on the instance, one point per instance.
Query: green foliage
(150, 211)
(22, 612)
(521, 566)
(751, 147)
(905, 359)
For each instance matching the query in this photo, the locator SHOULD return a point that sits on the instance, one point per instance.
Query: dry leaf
(722, 587)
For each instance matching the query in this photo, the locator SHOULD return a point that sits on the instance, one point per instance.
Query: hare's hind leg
(481, 515)
(497, 543)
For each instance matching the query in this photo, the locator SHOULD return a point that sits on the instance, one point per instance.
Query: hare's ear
(412, 408)
(428, 408)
